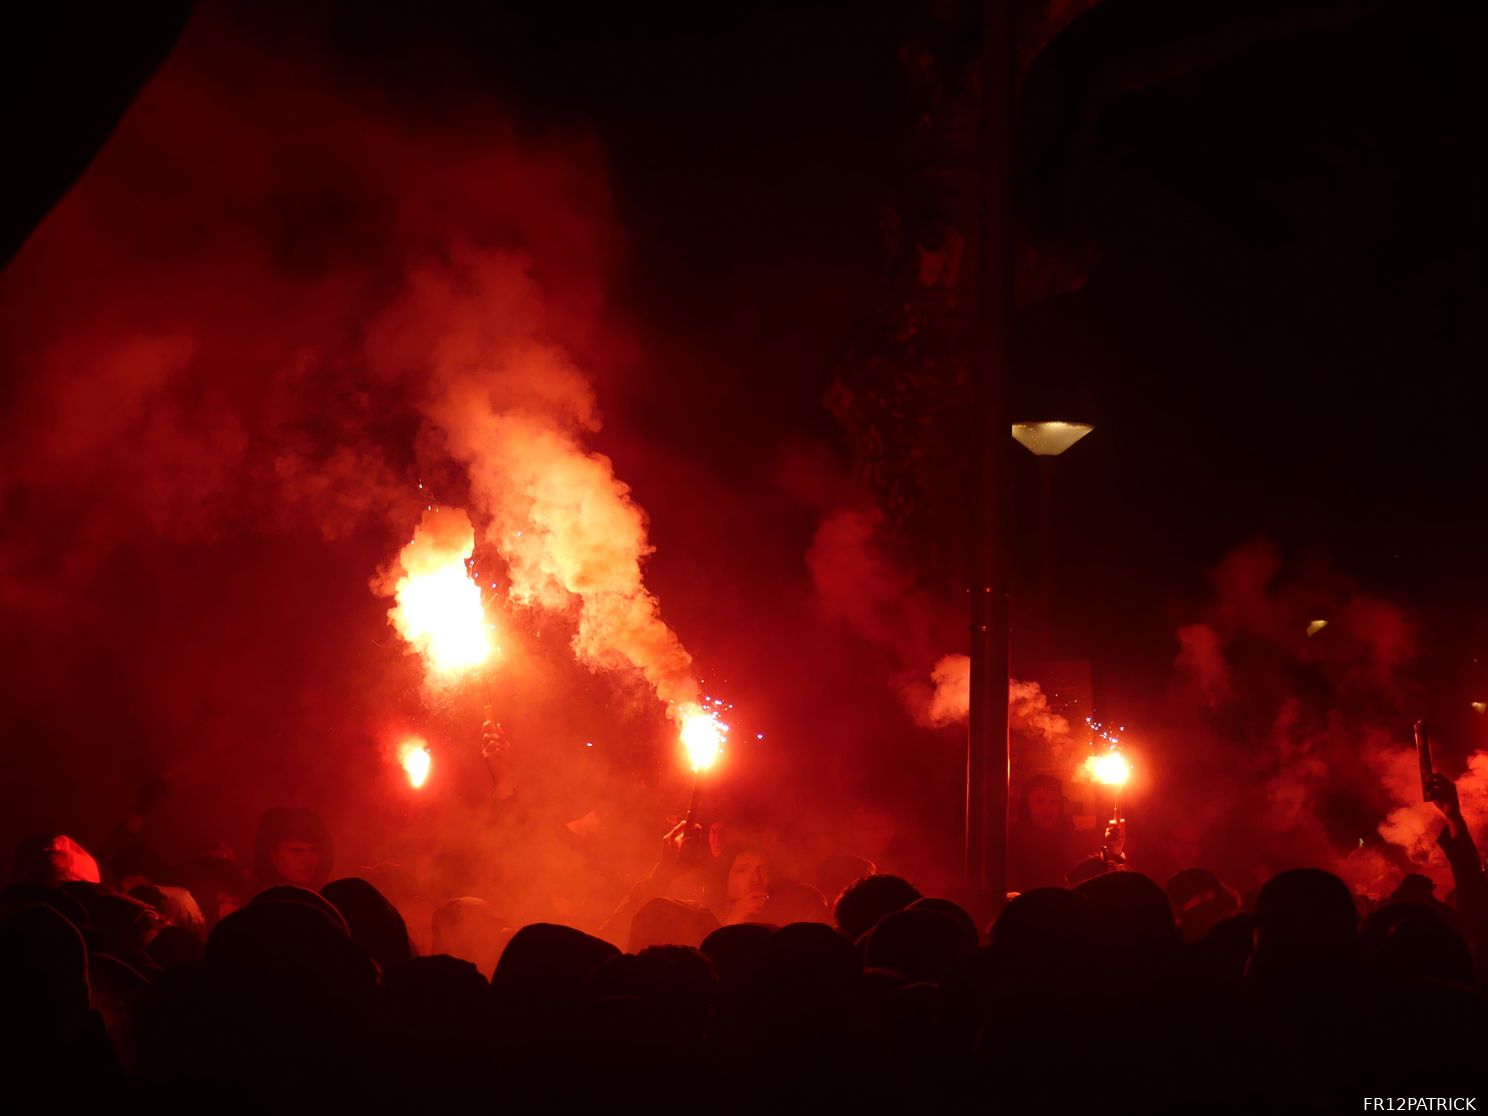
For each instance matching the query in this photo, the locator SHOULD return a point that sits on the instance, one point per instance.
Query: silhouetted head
(954, 910)
(920, 944)
(1413, 941)
(837, 872)
(1048, 926)
(1200, 901)
(547, 963)
(795, 903)
(1131, 915)
(674, 986)
(1305, 914)
(294, 944)
(438, 998)
(735, 950)
(1414, 887)
(867, 900)
(375, 923)
(43, 970)
(663, 922)
(806, 967)
(303, 896)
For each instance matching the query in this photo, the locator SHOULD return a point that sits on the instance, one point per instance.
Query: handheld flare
(1423, 755)
(439, 609)
(702, 734)
(416, 760)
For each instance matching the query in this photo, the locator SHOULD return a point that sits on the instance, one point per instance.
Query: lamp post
(985, 861)
(1047, 441)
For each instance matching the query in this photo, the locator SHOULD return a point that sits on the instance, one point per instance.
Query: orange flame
(439, 607)
(702, 735)
(414, 755)
(1110, 768)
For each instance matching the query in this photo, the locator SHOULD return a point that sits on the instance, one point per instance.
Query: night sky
(1282, 339)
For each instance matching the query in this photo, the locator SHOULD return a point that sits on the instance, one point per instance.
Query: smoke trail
(1028, 706)
(512, 411)
(860, 582)
(951, 700)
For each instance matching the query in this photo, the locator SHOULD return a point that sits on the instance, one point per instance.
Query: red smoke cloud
(1292, 746)
(860, 582)
(273, 305)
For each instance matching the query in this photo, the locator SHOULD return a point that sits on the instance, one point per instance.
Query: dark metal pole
(1046, 557)
(987, 737)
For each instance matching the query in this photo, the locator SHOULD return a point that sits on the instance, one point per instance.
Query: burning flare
(702, 735)
(413, 755)
(439, 607)
(1110, 768)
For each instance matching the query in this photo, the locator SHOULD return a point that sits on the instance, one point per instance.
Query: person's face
(715, 839)
(296, 861)
(1045, 807)
(748, 876)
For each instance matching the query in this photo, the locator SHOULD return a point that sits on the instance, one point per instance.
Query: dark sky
(1283, 338)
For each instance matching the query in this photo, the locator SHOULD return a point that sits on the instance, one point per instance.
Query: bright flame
(1110, 768)
(414, 755)
(702, 735)
(1315, 626)
(439, 607)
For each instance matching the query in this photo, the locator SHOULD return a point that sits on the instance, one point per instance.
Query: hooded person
(375, 923)
(292, 997)
(47, 1025)
(292, 846)
(539, 981)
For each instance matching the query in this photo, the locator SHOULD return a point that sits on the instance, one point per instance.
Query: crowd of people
(716, 985)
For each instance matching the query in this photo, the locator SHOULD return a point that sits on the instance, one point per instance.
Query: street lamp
(1049, 439)
(1046, 441)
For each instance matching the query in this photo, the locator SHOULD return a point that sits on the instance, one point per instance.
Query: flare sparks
(702, 734)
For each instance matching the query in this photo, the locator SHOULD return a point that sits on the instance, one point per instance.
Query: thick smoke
(511, 408)
(1304, 731)
(860, 582)
(275, 304)
(1028, 706)
(951, 700)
